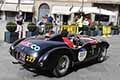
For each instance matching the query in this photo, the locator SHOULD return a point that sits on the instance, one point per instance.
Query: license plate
(30, 59)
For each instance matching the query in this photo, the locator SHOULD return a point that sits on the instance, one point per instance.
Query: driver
(65, 38)
(76, 42)
(73, 42)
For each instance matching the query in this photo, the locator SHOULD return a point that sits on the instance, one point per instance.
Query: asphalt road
(108, 70)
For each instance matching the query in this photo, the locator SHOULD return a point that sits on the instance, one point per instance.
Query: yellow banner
(70, 28)
(106, 30)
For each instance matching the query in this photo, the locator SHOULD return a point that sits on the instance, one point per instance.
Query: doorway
(43, 10)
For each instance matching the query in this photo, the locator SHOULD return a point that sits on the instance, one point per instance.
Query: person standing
(79, 23)
(85, 26)
(19, 20)
(50, 19)
(57, 24)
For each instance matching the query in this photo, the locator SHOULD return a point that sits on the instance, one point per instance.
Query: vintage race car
(58, 54)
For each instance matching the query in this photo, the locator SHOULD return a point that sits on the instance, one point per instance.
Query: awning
(86, 10)
(61, 10)
(9, 7)
(107, 12)
(95, 10)
(13, 7)
(26, 8)
(75, 10)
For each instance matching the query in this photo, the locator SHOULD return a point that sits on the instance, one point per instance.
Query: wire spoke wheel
(102, 55)
(62, 66)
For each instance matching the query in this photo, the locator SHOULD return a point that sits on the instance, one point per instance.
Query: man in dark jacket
(19, 20)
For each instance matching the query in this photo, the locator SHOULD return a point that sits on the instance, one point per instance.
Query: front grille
(17, 54)
(23, 57)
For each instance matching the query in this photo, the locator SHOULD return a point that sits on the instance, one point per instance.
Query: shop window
(65, 19)
(99, 17)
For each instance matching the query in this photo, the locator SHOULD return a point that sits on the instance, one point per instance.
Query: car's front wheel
(102, 55)
(62, 66)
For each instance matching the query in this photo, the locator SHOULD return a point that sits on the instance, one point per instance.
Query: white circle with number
(82, 54)
(35, 47)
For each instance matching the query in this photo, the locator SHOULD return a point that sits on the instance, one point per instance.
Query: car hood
(35, 45)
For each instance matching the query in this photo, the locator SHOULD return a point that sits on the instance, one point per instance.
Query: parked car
(58, 54)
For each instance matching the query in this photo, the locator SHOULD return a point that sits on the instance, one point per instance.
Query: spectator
(45, 19)
(85, 25)
(50, 19)
(19, 20)
(79, 23)
(49, 34)
(76, 18)
(57, 22)
(56, 29)
(86, 22)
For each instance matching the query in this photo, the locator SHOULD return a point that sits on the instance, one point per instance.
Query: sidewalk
(2, 29)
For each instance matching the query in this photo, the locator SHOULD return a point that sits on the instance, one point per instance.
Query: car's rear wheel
(102, 55)
(62, 66)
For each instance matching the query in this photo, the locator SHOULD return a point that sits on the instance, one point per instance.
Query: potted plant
(32, 30)
(10, 34)
(11, 26)
(31, 27)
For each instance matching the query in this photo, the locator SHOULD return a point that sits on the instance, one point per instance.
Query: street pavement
(108, 70)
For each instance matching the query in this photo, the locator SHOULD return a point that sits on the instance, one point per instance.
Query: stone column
(3, 16)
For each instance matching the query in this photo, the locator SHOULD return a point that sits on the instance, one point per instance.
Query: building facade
(113, 5)
(10, 8)
(48, 7)
(40, 8)
(45, 7)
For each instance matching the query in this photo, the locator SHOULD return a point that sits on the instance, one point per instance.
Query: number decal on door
(82, 54)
